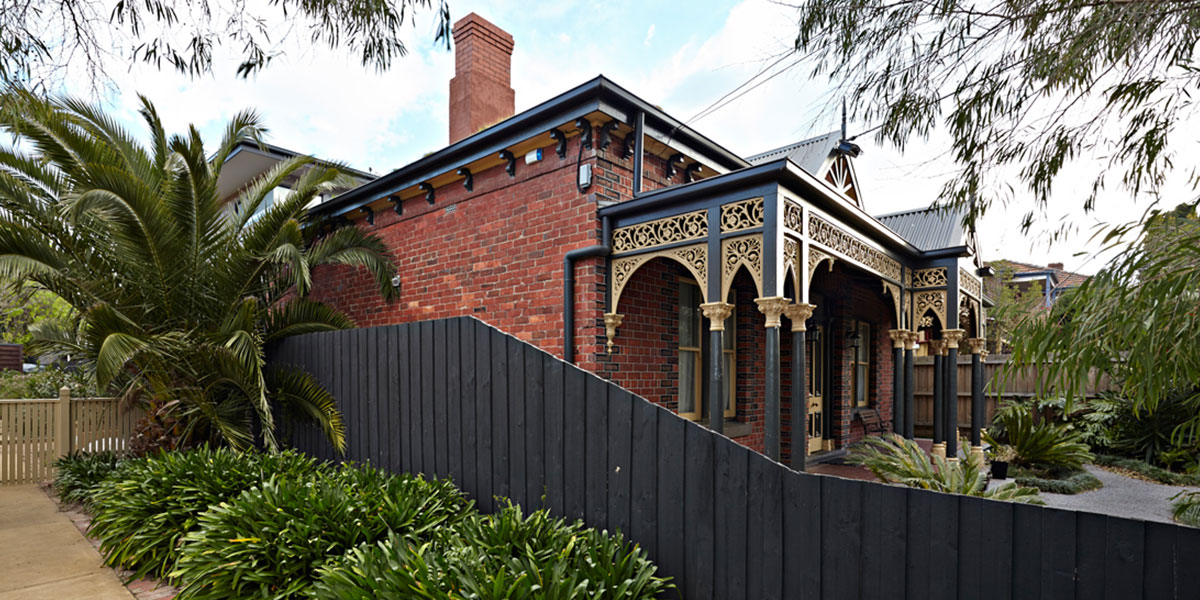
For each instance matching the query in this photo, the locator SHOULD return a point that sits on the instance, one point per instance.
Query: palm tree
(176, 291)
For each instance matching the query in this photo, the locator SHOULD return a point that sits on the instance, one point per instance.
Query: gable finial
(843, 117)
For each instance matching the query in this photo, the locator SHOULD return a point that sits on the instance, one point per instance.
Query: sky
(323, 102)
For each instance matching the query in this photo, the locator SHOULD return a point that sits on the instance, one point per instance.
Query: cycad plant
(894, 459)
(177, 291)
(1045, 445)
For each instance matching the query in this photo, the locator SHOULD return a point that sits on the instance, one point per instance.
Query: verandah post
(952, 337)
(772, 307)
(939, 440)
(910, 385)
(899, 340)
(976, 346)
(62, 422)
(716, 312)
(799, 314)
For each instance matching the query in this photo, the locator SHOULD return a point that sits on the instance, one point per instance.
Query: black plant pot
(999, 469)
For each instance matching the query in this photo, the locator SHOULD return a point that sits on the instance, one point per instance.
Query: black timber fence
(458, 398)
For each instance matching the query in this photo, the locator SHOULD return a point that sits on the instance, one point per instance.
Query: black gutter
(569, 286)
(564, 108)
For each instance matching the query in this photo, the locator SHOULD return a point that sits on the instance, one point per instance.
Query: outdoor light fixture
(854, 338)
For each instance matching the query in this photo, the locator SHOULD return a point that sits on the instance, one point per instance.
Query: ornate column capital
(952, 336)
(611, 322)
(914, 340)
(937, 347)
(716, 313)
(772, 307)
(976, 345)
(799, 314)
(899, 338)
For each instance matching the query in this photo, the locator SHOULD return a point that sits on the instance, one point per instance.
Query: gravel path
(1122, 497)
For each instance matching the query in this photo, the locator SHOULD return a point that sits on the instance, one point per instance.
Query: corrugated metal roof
(928, 228)
(809, 154)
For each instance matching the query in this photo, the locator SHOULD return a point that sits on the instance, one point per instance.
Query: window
(862, 365)
(691, 356)
(690, 369)
(816, 369)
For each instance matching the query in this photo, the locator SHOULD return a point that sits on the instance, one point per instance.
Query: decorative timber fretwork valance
(894, 291)
(791, 263)
(793, 216)
(669, 230)
(928, 278)
(969, 284)
(693, 258)
(934, 302)
(746, 214)
(737, 252)
(831, 236)
(814, 259)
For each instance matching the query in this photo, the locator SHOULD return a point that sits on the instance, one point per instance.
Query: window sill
(733, 429)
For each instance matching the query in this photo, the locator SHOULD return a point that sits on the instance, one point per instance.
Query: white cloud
(649, 35)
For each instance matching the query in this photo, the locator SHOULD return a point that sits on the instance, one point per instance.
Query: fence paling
(34, 432)
(458, 398)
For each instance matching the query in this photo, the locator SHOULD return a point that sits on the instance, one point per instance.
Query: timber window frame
(860, 363)
(692, 346)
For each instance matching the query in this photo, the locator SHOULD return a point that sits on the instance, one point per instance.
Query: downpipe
(569, 286)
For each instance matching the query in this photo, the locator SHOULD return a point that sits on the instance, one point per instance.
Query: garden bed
(1074, 481)
(1138, 469)
(223, 524)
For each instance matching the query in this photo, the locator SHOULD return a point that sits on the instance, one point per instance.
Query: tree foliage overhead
(1138, 319)
(38, 38)
(1023, 88)
(176, 290)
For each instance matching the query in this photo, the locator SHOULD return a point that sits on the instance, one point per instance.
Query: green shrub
(1161, 437)
(504, 555)
(1186, 508)
(141, 515)
(45, 383)
(269, 541)
(1042, 445)
(1146, 469)
(78, 474)
(894, 459)
(1058, 481)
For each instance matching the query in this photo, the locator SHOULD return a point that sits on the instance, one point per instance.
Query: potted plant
(1001, 455)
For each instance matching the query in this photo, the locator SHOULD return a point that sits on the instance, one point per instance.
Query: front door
(816, 388)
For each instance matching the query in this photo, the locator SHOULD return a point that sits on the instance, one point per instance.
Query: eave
(597, 95)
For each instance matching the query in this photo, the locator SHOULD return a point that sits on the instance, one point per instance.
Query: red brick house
(602, 229)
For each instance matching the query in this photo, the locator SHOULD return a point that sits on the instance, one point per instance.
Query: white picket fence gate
(34, 432)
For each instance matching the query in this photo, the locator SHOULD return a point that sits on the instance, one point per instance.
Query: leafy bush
(504, 555)
(1160, 436)
(1059, 481)
(894, 459)
(1187, 508)
(141, 516)
(1042, 445)
(80, 473)
(45, 383)
(1146, 469)
(269, 541)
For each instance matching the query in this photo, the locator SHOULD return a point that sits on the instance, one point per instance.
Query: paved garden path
(44, 556)
(1122, 497)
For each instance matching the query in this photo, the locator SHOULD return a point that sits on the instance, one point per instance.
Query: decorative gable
(841, 176)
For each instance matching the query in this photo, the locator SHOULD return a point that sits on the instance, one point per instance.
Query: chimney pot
(481, 91)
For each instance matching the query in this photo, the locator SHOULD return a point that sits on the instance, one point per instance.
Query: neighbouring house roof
(929, 228)
(809, 154)
(1062, 277)
(250, 160)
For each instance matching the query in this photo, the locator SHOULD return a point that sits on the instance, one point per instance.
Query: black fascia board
(281, 153)
(598, 94)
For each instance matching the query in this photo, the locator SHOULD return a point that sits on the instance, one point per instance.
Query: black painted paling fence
(458, 398)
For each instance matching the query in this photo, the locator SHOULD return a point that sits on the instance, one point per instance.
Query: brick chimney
(1055, 266)
(481, 91)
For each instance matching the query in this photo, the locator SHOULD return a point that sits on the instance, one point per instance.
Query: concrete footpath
(44, 556)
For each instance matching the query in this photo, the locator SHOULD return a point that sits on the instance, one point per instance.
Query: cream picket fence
(34, 432)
